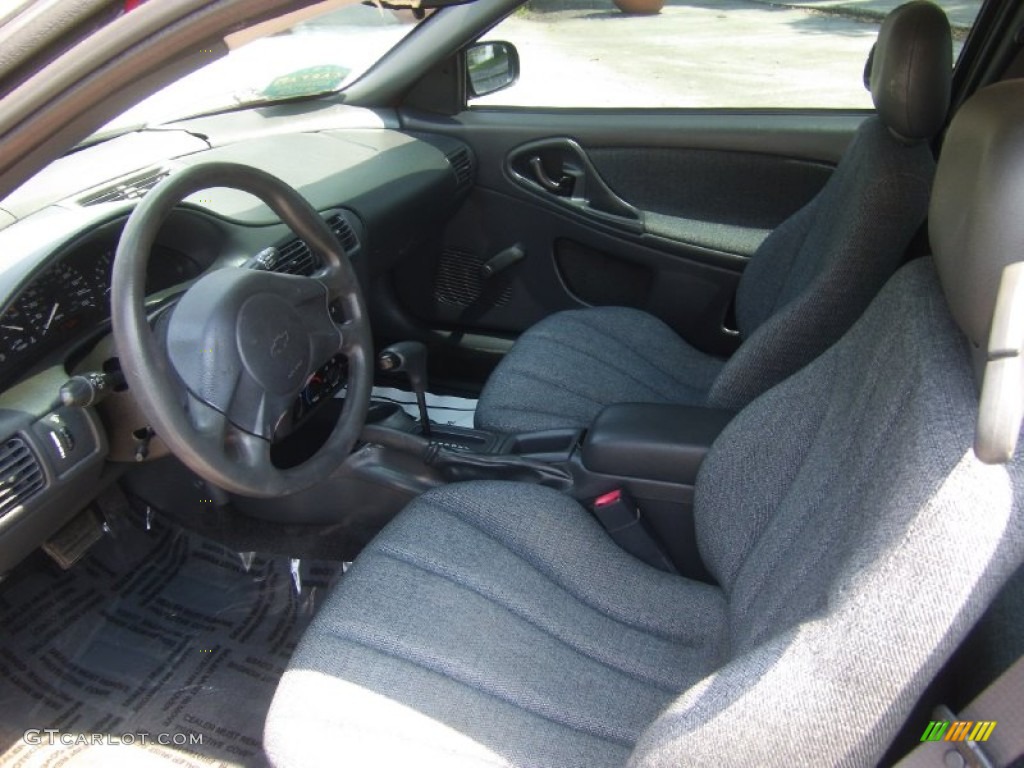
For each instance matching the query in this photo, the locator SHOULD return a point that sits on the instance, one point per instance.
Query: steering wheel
(240, 343)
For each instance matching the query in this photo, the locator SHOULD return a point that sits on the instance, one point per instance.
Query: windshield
(321, 54)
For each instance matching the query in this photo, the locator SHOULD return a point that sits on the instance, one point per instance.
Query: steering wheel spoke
(325, 335)
(331, 278)
(351, 333)
(219, 433)
(247, 449)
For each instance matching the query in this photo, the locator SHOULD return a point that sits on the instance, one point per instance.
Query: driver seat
(853, 532)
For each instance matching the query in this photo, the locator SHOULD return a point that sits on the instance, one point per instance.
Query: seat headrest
(910, 69)
(974, 220)
(977, 232)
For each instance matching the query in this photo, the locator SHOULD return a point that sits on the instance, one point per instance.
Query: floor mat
(158, 648)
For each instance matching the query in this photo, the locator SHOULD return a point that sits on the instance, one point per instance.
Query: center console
(653, 442)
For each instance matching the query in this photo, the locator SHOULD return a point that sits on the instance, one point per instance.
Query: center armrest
(652, 441)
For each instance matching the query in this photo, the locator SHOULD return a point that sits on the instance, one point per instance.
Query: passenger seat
(804, 287)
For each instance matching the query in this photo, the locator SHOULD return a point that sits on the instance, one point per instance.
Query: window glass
(712, 54)
(316, 54)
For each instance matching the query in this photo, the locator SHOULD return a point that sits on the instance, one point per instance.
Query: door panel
(563, 256)
(657, 210)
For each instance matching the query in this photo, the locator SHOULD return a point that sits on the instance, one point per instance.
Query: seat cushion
(565, 369)
(511, 631)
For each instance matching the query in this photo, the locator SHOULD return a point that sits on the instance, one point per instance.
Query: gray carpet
(154, 632)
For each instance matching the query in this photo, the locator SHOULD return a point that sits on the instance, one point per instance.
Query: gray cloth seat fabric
(803, 288)
(612, 355)
(853, 535)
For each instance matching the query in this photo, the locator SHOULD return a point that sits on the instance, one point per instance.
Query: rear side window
(799, 54)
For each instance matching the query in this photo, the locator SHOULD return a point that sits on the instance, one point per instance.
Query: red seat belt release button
(615, 509)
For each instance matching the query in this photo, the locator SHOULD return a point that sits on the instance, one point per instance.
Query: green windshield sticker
(305, 82)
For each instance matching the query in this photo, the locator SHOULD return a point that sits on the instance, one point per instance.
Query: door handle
(542, 178)
(576, 186)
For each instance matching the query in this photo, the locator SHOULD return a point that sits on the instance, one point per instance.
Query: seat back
(817, 272)
(856, 533)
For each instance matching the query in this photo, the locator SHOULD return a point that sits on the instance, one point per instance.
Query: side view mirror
(490, 67)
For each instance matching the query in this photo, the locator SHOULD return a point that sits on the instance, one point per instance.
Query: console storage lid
(652, 441)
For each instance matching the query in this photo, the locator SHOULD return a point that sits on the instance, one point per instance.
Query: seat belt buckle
(620, 516)
(616, 510)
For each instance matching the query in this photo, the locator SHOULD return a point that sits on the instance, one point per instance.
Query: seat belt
(495, 280)
(996, 716)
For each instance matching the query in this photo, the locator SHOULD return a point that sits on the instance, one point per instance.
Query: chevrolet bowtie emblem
(280, 344)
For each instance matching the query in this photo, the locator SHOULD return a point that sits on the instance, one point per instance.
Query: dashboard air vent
(128, 189)
(21, 477)
(295, 258)
(344, 232)
(462, 164)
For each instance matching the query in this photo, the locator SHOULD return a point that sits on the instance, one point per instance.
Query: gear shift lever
(411, 358)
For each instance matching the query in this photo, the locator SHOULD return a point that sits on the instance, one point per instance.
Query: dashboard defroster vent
(21, 477)
(131, 188)
(462, 164)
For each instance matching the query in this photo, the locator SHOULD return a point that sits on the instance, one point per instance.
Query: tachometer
(61, 300)
(17, 331)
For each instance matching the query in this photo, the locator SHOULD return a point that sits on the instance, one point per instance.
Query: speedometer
(71, 299)
(100, 279)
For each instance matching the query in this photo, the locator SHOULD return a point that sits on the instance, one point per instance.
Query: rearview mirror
(490, 67)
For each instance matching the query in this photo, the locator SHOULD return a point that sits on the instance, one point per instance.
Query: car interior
(370, 425)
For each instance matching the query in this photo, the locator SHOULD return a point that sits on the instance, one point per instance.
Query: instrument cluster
(70, 299)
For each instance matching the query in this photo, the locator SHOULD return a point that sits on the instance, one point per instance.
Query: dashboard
(385, 194)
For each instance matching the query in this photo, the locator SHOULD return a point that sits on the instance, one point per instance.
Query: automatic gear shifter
(409, 357)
